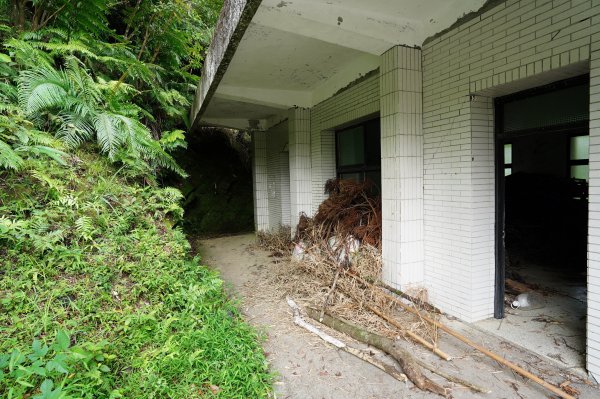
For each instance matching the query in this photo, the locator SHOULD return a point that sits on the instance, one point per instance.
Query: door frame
(501, 138)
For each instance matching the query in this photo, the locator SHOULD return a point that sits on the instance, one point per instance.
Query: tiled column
(284, 188)
(260, 181)
(323, 164)
(402, 166)
(300, 164)
(478, 273)
(593, 303)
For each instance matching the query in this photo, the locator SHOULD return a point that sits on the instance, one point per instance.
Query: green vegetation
(99, 295)
(85, 252)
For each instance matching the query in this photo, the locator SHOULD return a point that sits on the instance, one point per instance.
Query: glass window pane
(580, 147)
(507, 171)
(356, 176)
(373, 143)
(580, 171)
(351, 147)
(507, 153)
(557, 107)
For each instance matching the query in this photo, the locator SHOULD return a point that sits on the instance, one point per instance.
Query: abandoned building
(478, 120)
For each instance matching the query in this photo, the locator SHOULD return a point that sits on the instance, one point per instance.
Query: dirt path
(307, 368)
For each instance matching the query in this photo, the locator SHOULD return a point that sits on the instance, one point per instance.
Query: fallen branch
(298, 320)
(335, 279)
(456, 334)
(395, 323)
(451, 378)
(402, 356)
(427, 306)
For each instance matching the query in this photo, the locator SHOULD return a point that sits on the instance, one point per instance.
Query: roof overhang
(271, 55)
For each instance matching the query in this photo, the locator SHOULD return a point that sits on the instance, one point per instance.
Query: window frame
(365, 167)
(576, 162)
(499, 103)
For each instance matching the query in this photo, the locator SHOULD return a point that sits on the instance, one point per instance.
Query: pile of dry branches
(351, 210)
(337, 279)
(343, 237)
(278, 242)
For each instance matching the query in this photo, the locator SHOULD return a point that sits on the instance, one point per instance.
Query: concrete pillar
(479, 208)
(300, 163)
(284, 186)
(322, 144)
(260, 181)
(593, 302)
(402, 166)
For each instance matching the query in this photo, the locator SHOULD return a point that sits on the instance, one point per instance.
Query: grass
(99, 297)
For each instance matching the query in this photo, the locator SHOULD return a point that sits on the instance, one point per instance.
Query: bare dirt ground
(308, 368)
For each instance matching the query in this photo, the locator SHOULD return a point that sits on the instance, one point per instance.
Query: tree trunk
(18, 9)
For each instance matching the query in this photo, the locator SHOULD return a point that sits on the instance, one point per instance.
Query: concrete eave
(233, 21)
(271, 55)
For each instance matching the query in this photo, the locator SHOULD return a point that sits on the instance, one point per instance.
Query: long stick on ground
(451, 378)
(332, 322)
(335, 279)
(427, 306)
(457, 335)
(395, 323)
(403, 357)
(298, 320)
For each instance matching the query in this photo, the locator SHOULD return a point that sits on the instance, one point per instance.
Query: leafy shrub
(60, 370)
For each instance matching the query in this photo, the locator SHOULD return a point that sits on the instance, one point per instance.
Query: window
(358, 152)
(507, 159)
(543, 108)
(579, 163)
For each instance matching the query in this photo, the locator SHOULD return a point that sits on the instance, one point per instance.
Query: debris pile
(352, 210)
(336, 275)
(278, 242)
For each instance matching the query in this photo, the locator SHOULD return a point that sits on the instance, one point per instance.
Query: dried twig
(456, 334)
(410, 334)
(298, 320)
(335, 279)
(402, 356)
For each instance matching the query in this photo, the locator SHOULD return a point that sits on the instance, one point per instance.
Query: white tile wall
(260, 180)
(514, 42)
(284, 188)
(278, 177)
(437, 147)
(402, 166)
(300, 163)
(353, 104)
(593, 317)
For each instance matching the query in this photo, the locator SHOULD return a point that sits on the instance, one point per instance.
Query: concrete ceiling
(300, 52)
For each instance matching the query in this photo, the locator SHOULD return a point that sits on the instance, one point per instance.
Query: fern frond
(8, 93)
(36, 150)
(27, 55)
(39, 225)
(41, 89)
(39, 137)
(71, 47)
(84, 227)
(108, 134)
(9, 159)
(47, 180)
(75, 129)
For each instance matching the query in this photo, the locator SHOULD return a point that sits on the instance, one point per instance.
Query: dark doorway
(542, 152)
(541, 187)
